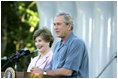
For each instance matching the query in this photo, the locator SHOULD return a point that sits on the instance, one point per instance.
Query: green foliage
(31, 17)
(19, 20)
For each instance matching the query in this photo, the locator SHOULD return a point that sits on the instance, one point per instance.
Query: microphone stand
(14, 56)
(4, 65)
(16, 64)
(9, 60)
(17, 56)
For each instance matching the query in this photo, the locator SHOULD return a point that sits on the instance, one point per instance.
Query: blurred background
(94, 21)
(19, 19)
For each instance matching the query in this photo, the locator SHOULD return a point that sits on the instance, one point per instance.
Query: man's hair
(45, 34)
(67, 17)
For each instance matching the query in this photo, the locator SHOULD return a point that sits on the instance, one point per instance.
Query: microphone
(26, 50)
(21, 53)
(4, 58)
(18, 55)
(36, 50)
(22, 50)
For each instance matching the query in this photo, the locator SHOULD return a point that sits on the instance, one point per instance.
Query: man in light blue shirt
(70, 58)
(72, 54)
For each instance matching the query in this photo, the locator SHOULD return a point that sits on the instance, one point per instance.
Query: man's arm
(59, 72)
(56, 72)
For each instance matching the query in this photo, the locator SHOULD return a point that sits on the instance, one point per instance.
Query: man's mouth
(57, 31)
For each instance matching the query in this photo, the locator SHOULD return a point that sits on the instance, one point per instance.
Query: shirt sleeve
(32, 63)
(74, 55)
(50, 65)
(48, 62)
(29, 67)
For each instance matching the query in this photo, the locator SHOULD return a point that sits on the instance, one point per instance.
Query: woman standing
(43, 42)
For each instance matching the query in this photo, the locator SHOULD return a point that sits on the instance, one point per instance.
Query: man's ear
(69, 26)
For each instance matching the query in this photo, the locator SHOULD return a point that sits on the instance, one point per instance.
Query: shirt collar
(66, 41)
(47, 55)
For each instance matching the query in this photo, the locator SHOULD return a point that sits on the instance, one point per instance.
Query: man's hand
(36, 70)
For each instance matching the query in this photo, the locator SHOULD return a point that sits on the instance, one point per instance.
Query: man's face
(61, 29)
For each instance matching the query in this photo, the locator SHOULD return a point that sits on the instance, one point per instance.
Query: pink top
(42, 63)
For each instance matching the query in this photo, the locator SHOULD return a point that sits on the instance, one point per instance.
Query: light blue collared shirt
(72, 54)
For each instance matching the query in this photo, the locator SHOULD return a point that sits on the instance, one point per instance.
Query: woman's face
(41, 45)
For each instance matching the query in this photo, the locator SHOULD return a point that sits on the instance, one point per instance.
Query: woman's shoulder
(35, 58)
(49, 54)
